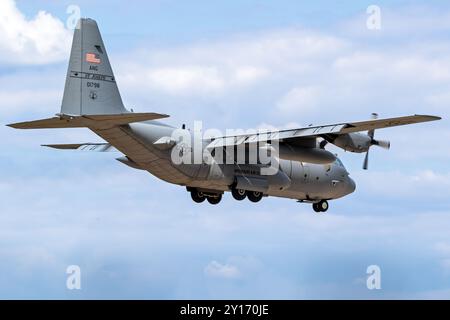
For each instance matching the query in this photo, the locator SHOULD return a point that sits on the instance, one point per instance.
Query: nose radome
(351, 185)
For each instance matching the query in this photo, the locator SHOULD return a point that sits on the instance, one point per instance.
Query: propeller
(380, 143)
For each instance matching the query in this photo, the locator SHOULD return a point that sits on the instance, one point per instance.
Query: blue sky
(232, 64)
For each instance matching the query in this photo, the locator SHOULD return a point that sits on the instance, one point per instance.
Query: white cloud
(218, 270)
(312, 76)
(185, 80)
(300, 100)
(404, 185)
(24, 94)
(431, 177)
(426, 140)
(27, 100)
(229, 65)
(249, 74)
(44, 39)
(191, 80)
(235, 267)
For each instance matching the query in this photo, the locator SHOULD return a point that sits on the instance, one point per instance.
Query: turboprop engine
(353, 142)
(359, 143)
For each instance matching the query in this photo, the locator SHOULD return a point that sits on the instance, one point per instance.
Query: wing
(318, 131)
(98, 147)
(96, 121)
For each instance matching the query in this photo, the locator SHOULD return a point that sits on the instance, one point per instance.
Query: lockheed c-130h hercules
(304, 169)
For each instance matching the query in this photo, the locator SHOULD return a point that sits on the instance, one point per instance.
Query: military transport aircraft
(305, 171)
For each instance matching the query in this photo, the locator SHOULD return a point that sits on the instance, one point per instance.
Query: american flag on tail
(92, 58)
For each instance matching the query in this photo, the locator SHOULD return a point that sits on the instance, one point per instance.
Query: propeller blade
(366, 161)
(371, 133)
(382, 143)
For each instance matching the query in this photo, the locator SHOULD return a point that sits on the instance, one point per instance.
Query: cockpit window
(339, 162)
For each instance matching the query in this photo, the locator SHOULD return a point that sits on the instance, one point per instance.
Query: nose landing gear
(321, 206)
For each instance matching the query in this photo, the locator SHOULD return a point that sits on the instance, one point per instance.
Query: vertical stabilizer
(91, 87)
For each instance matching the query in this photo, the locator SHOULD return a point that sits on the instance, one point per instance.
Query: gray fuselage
(302, 181)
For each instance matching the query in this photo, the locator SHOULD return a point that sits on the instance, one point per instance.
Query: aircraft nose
(351, 185)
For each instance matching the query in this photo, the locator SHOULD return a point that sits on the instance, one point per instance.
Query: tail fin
(91, 97)
(91, 87)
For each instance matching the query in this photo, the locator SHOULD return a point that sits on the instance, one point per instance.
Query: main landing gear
(240, 194)
(321, 206)
(214, 198)
(199, 197)
(254, 196)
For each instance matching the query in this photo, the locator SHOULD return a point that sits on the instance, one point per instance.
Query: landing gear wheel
(197, 196)
(238, 194)
(321, 206)
(215, 199)
(254, 196)
(316, 207)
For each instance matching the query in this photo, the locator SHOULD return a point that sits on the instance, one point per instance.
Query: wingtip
(430, 117)
(13, 125)
(435, 118)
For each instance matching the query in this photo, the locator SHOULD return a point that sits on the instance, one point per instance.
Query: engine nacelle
(353, 142)
(308, 155)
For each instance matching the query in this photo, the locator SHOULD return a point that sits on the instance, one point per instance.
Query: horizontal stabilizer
(97, 147)
(101, 121)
